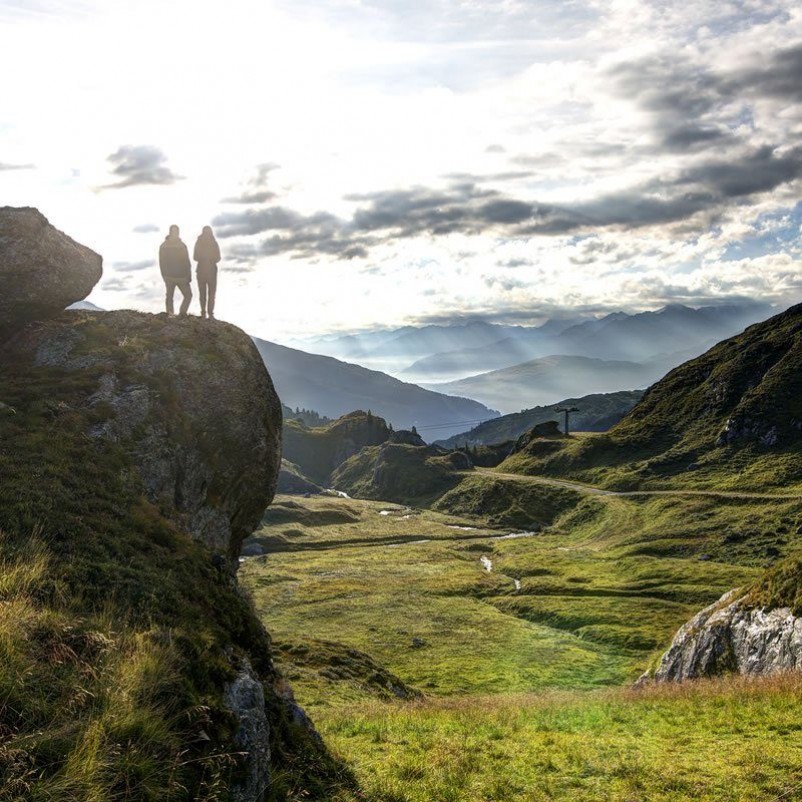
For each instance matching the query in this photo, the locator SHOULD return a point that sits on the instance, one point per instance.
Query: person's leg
(212, 290)
(186, 291)
(202, 288)
(169, 287)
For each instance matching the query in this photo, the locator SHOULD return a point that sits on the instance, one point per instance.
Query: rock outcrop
(42, 270)
(319, 451)
(245, 698)
(406, 437)
(401, 473)
(732, 636)
(191, 403)
(136, 453)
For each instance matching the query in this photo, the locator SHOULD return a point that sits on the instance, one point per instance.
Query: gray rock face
(190, 401)
(245, 698)
(42, 270)
(739, 428)
(728, 636)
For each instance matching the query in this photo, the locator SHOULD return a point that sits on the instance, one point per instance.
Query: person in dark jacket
(176, 270)
(207, 255)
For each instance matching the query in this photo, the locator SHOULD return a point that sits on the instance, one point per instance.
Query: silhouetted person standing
(176, 270)
(207, 255)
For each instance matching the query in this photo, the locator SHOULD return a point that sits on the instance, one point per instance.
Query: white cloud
(567, 104)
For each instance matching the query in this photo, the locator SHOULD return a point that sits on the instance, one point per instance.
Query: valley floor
(521, 642)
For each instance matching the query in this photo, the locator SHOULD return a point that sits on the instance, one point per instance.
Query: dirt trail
(597, 491)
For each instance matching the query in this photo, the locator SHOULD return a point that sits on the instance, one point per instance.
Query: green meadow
(458, 658)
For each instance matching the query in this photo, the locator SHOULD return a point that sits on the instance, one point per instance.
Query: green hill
(317, 451)
(732, 416)
(400, 472)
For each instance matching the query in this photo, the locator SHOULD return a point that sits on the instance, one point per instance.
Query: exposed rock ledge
(731, 636)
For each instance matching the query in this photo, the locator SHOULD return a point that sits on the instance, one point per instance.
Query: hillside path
(597, 491)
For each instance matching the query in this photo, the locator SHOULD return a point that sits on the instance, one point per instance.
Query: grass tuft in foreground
(715, 741)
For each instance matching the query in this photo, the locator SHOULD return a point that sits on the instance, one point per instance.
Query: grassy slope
(714, 742)
(117, 631)
(754, 379)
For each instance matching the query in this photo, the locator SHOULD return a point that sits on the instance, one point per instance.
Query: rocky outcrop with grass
(136, 453)
(42, 270)
(754, 631)
(733, 636)
(401, 473)
(317, 451)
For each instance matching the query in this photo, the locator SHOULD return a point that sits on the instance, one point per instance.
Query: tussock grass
(727, 740)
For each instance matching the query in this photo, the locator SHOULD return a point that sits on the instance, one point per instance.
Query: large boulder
(733, 636)
(42, 270)
(188, 401)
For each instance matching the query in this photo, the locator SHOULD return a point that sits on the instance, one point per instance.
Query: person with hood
(176, 270)
(207, 255)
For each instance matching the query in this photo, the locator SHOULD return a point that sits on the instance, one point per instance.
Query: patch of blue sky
(775, 231)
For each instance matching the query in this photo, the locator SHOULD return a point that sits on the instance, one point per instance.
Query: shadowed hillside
(318, 451)
(335, 388)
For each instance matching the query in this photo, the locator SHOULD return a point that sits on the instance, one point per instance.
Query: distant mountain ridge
(617, 336)
(545, 381)
(334, 388)
(393, 350)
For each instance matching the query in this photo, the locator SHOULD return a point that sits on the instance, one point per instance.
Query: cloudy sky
(368, 163)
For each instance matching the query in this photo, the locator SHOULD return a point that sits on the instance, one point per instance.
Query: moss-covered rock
(188, 401)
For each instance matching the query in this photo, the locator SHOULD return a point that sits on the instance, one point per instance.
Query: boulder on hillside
(42, 270)
(733, 636)
(190, 404)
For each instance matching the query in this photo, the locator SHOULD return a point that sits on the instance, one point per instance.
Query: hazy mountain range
(547, 380)
(436, 354)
